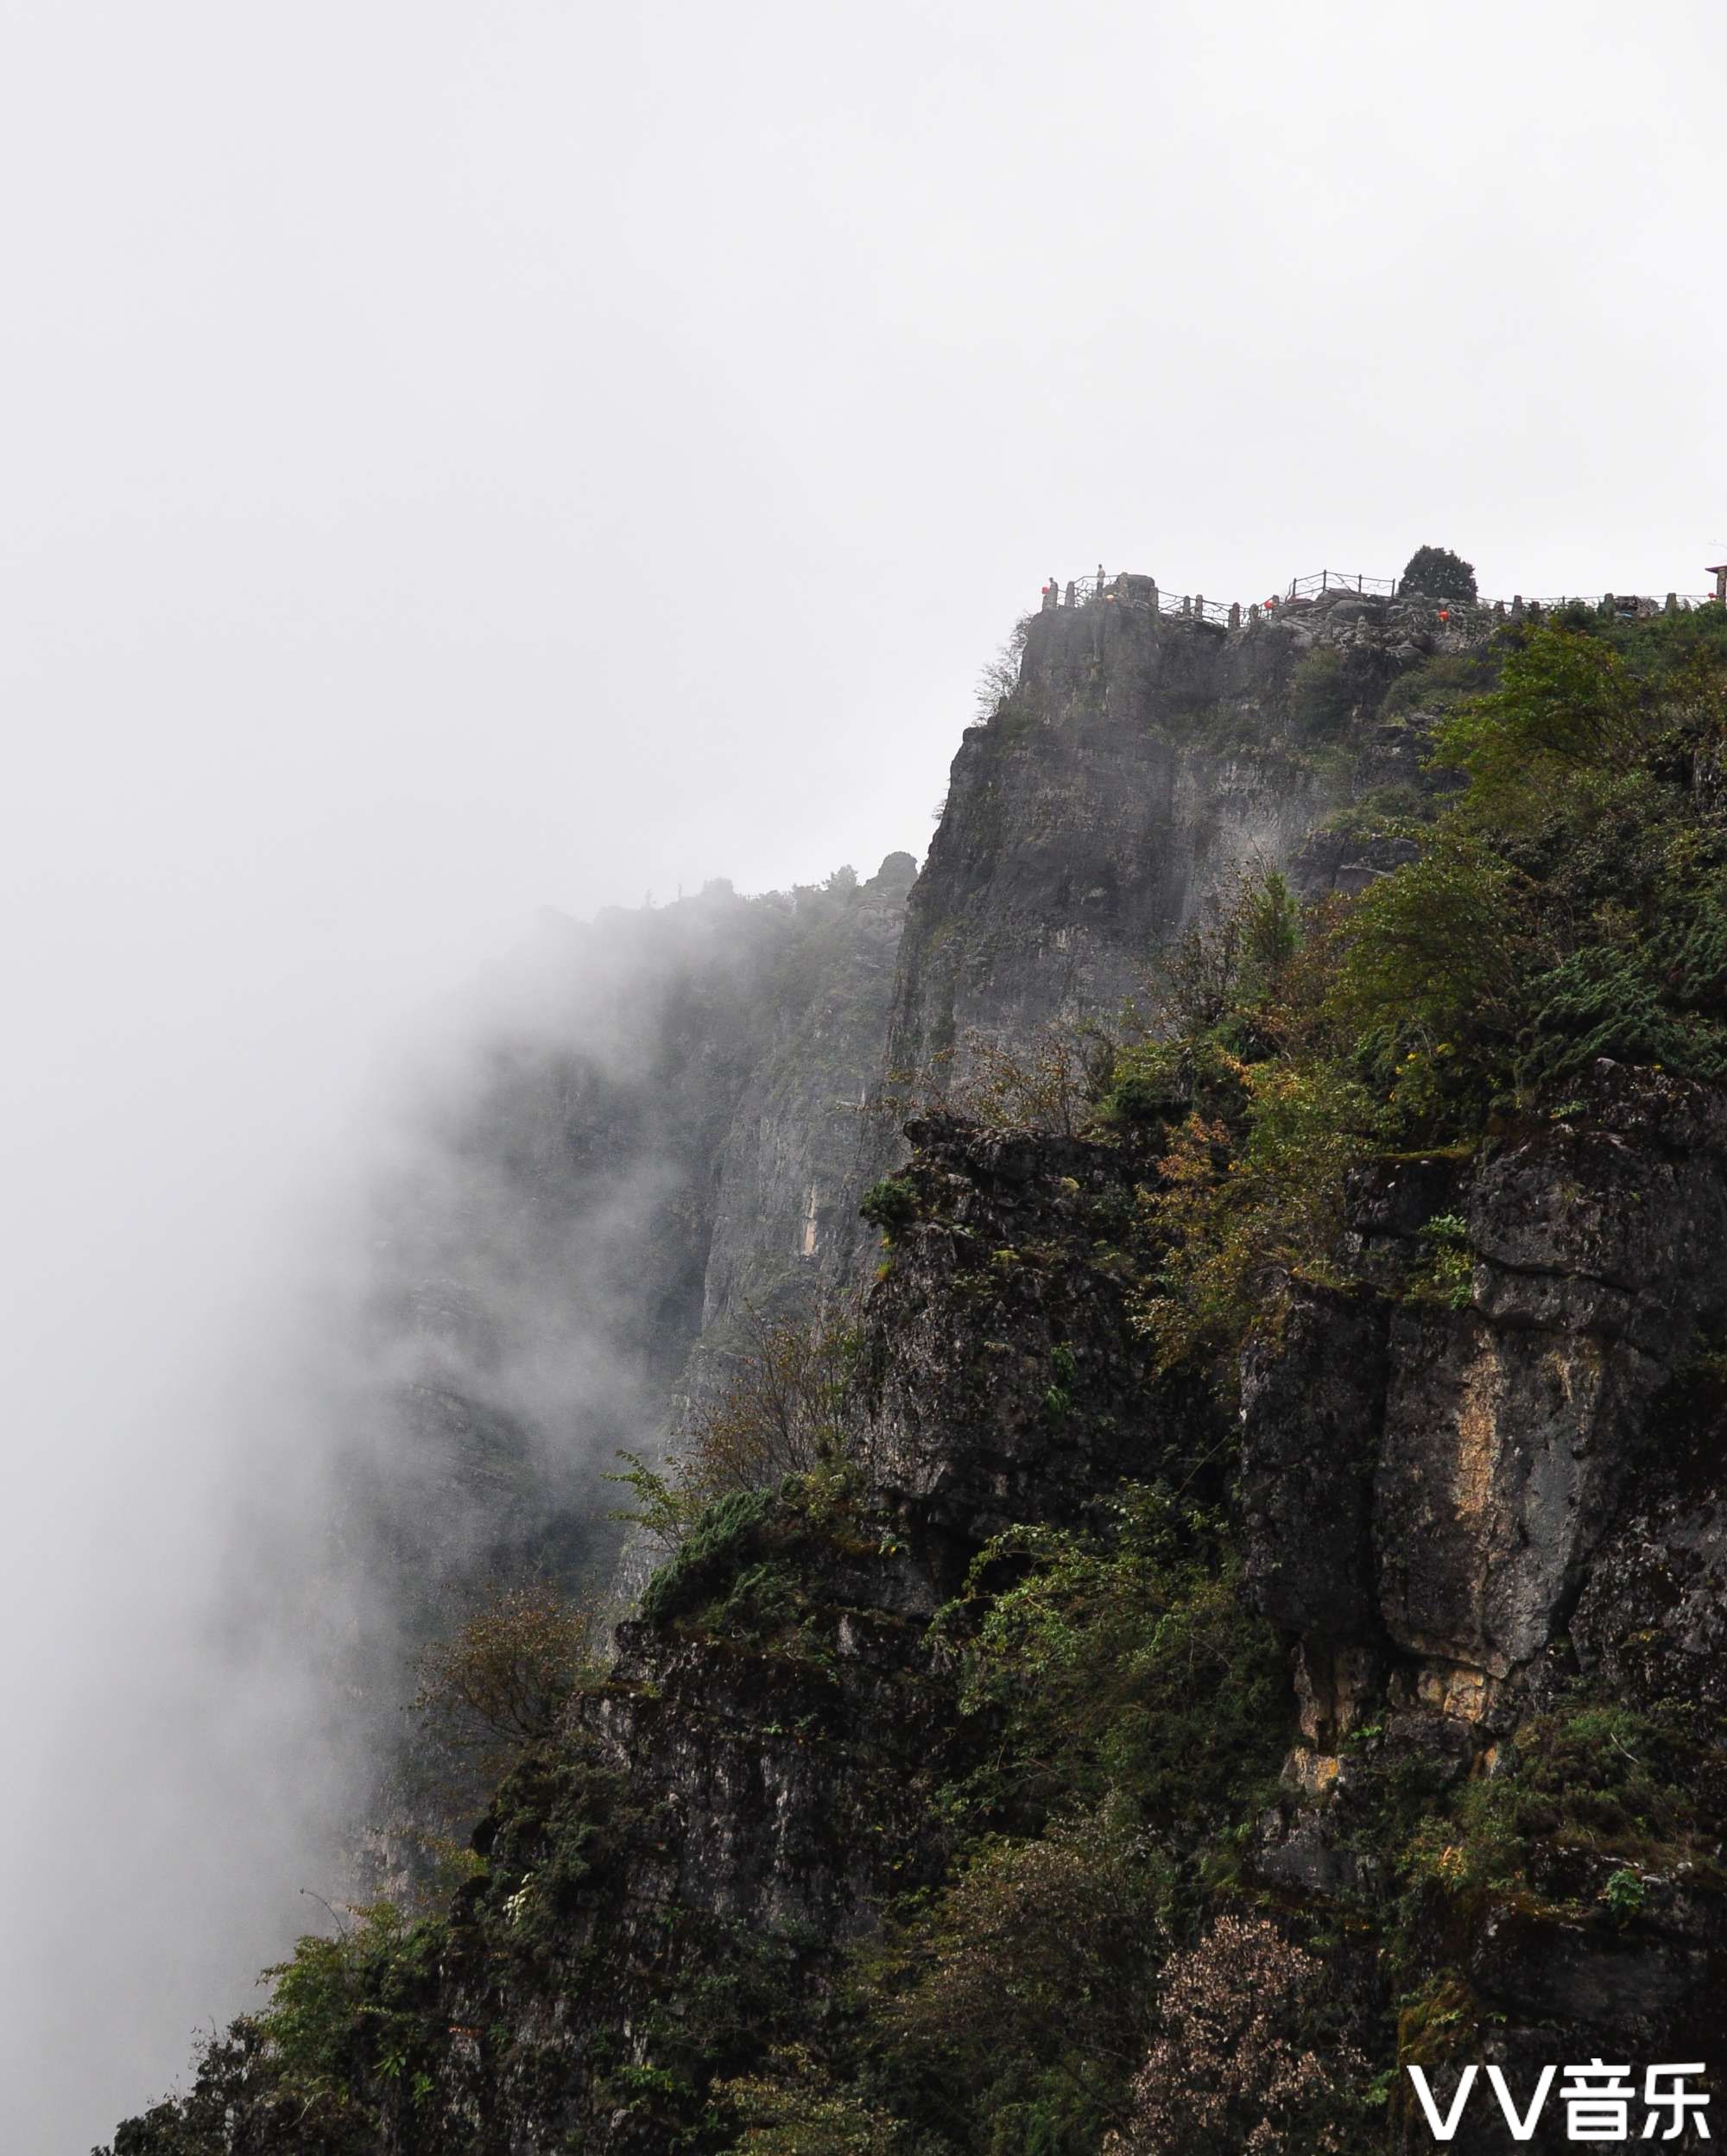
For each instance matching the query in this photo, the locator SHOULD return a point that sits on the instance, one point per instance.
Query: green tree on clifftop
(1438, 573)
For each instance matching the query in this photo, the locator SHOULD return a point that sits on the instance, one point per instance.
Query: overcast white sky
(457, 457)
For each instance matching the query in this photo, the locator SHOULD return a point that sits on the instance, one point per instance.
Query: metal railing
(1128, 588)
(1639, 602)
(1135, 592)
(1335, 580)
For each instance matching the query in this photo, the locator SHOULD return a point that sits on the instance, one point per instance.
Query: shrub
(1591, 1776)
(1001, 675)
(890, 1205)
(1320, 701)
(1050, 1083)
(1441, 684)
(1430, 966)
(720, 1540)
(1008, 2006)
(787, 1404)
(1450, 1275)
(503, 1678)
(353, 2010)
(1239, 1208)
(1231, 959)
(1567, 705)
(795, 2109)
(1125, 1667)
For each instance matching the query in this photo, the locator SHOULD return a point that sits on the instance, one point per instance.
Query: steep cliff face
(1120, 1720)
(786, 1177)
(1087, 817)
(1463, 1516)
(1142, 756)
(1472, 1463)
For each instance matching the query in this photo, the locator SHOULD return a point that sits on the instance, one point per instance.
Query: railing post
(1154, 596)
(1235, 614)
(1199, 604)
(1070, 591)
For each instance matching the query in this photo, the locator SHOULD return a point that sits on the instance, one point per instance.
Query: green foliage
(797, 2108)
(890, 1205)
(1429, 964)
(1659, 999)
(1449, 1279)
(1594, 1778)
(716, 1547)
(1242, 1202)
(1126, 1668)
(1320, 701)
(350, 2011)
(1624, 1894)
(1442, 683)
(1438, 573)
(1567, 707)
(1008, 2008)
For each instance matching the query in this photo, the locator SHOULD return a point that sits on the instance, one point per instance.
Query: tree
(787, 1405)
(1437, 573)
(502, 1679)
(1243, 2058)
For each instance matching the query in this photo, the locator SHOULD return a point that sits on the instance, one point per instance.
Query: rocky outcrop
(1462, 1495)
(1009, 1383)
(1087, 818)
(1463, 1467)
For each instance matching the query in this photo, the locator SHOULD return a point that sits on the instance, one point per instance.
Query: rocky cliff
(1257, 1623)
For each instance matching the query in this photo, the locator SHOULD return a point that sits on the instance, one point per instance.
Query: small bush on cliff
(720, 1539)
(795, 2107)
(1243, 1202)
(1320, 700)
(1009, 2007)
(1443, 683)
(503, 1678)
(890, 1205)
(787, 1405)
(1052, 1085)
(352, 2015)
(1125, 1667)
(1594, 1779)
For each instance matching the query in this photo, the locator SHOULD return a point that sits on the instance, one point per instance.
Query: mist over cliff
(428, 1305)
